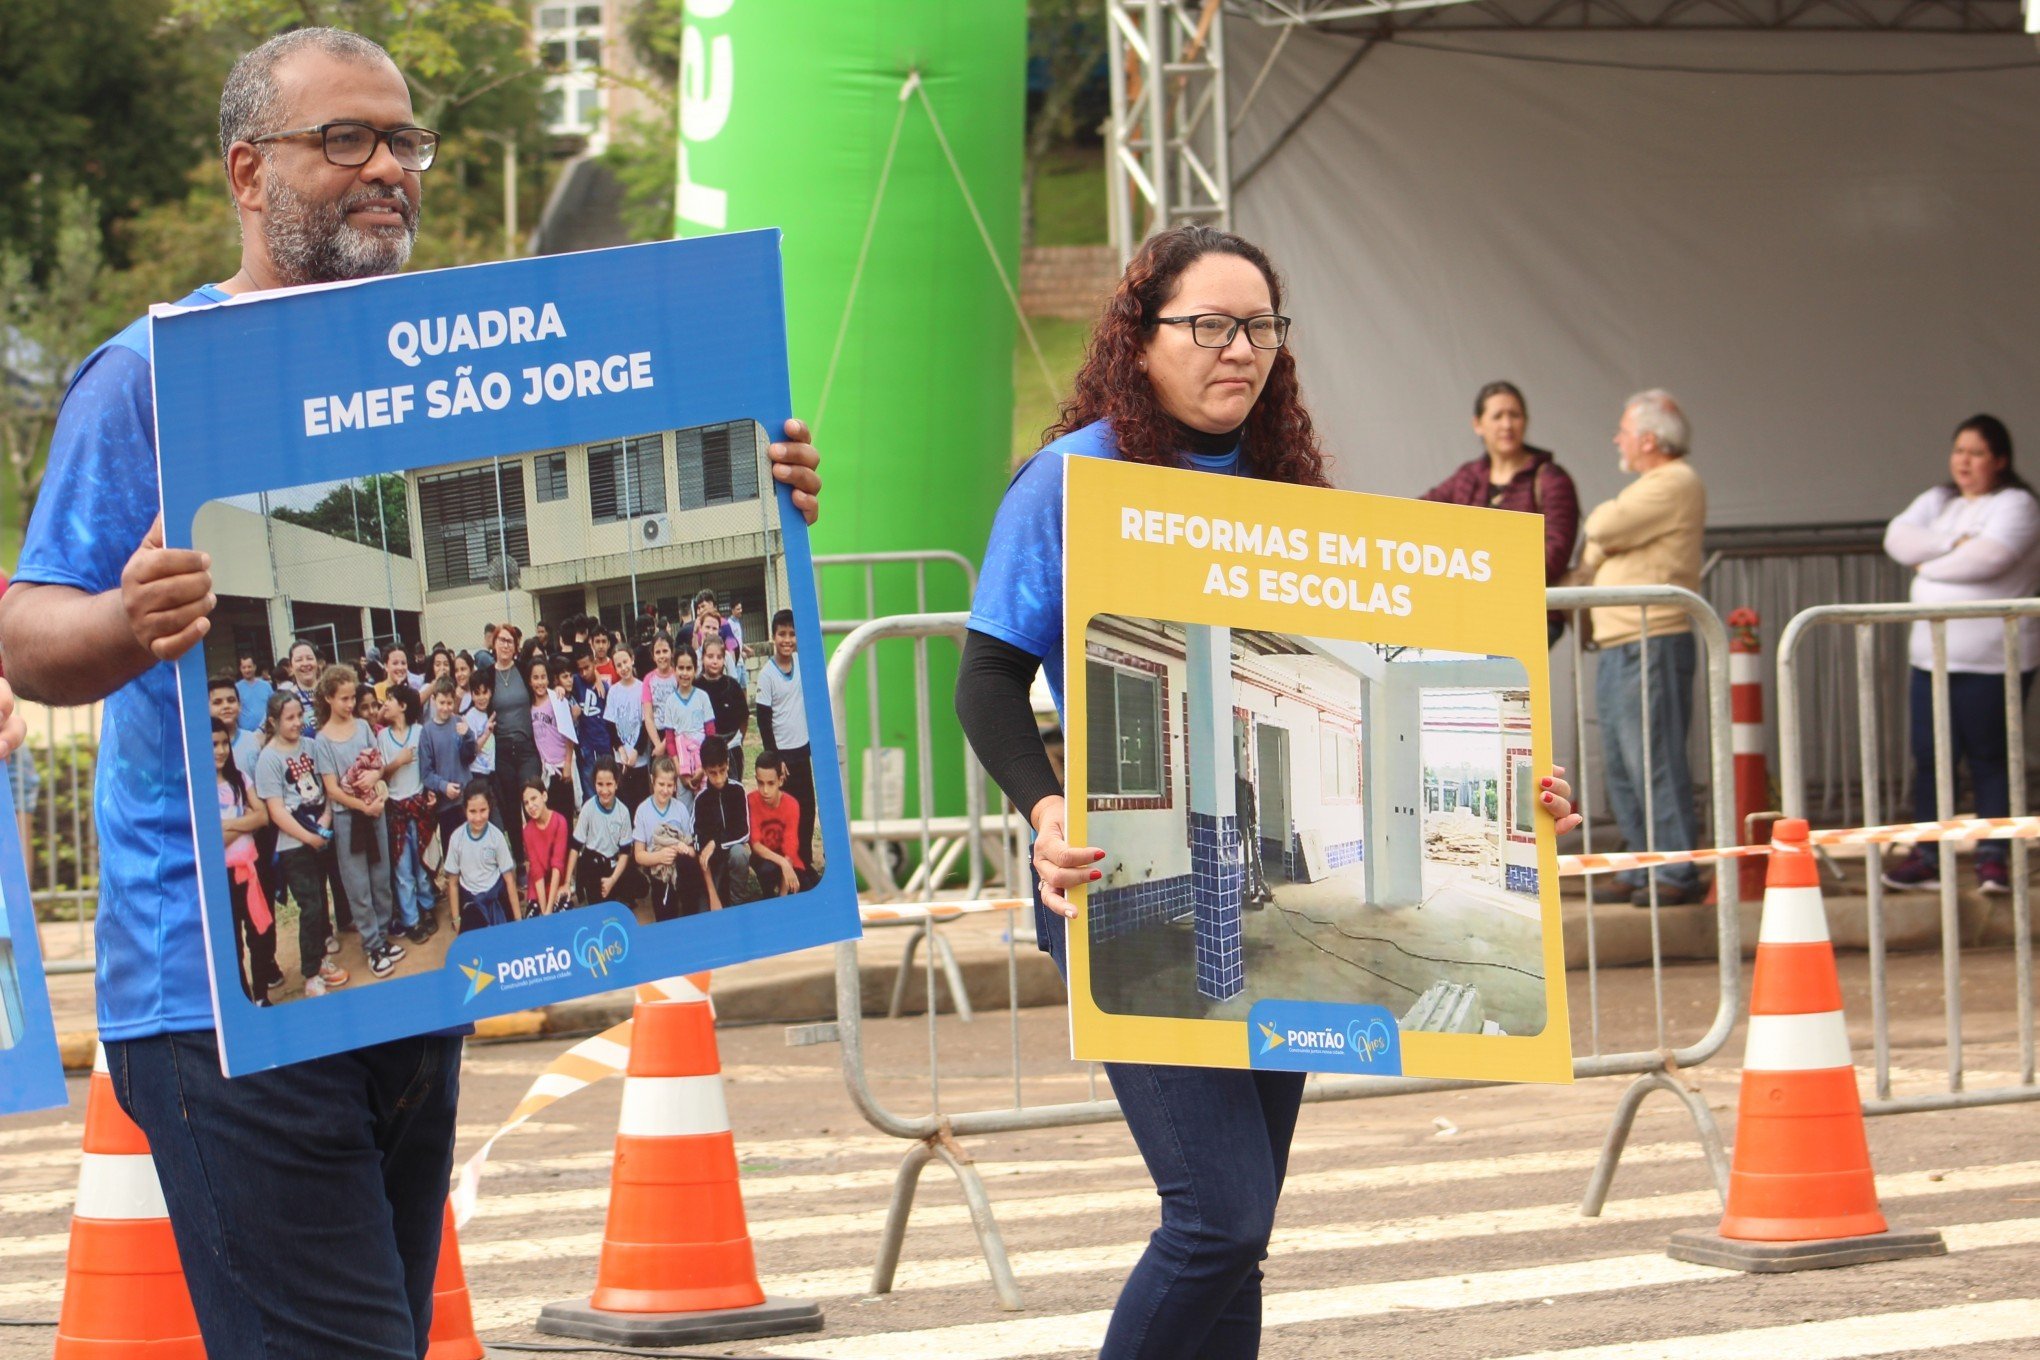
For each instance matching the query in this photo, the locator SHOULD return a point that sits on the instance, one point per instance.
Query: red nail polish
(1097, 874)
(1098, 855)
(1547, 797)
(1546, 783)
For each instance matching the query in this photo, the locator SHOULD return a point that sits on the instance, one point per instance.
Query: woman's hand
(1556, 801)
(795, 462)
(1059, 865)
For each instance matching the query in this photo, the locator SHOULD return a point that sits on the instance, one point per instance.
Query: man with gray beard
(306, 1201)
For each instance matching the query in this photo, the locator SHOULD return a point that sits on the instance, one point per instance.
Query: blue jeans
(1216, 1141)
(414, 884)
(1976, 736)
(306, 1200)
(1620, 701)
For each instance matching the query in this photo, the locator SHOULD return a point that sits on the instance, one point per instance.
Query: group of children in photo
(335, 782)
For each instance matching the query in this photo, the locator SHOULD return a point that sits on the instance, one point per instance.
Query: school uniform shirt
(479, 861)
(777, 828)
(678, 814)
(589, 704)
(485, 743)
(1019, 597)
(722, 815)
(779, 691)
(625, 711)
(408, 780)
(673, 713)
(247, 750)
(99, 496)
(603, 831)
(254, 702)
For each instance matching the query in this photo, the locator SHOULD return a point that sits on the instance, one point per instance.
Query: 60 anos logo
(599, 949)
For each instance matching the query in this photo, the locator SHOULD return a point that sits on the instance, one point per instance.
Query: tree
(46, 327)
(348, 511)
(1066, 47)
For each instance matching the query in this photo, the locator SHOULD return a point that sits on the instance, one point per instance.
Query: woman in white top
(1975, 537)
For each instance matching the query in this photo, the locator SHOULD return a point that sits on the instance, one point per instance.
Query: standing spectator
(446, 750)
(1511, 474)
(1650, 534)
(241, 816)
(516, 744)
(287, 782)
(304, 672)
(553, 733)
(401, 744)
(346, 756)
(589, 699)
(782, 722)
(740, 655)
(624, 711)
(1974, 537)
(601, 643)
(254, 692)
(726, 696)
(397, 671)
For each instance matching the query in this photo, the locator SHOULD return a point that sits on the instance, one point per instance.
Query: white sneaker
(315, 986)
(332, 945)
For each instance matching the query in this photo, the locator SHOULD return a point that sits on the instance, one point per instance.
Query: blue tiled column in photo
(1215, 870)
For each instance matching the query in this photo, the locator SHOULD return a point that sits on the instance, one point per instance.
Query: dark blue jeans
(307, 1200)
(1976, 736)
(1216, 1141)
(1618, 695)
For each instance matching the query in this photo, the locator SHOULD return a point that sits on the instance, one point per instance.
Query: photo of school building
(611, 528)
(1309, 818)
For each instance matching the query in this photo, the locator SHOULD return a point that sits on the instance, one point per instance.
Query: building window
(1126, 732)
(570, 48)
(718, 465)
(626, 479)
(549, 474)
(473, 521)
(1338, 765)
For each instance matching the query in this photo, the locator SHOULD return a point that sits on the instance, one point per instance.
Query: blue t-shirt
(98, 500)
(1020, 589)
(254, 702)
(590, 729)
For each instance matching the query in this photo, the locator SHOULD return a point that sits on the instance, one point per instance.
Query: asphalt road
(1439, 1225)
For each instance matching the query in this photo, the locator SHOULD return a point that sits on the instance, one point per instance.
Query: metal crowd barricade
(1872, 681)
(54, 770)
(934, 1134)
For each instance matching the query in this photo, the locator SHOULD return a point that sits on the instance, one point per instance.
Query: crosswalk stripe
(1839, 1339)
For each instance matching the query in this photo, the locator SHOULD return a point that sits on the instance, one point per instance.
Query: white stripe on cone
(1745, 668)
(1747, 739)
(1797, 1043)
(99, 1059)
(1793, 916)
(672, 1107)
(119, 1186)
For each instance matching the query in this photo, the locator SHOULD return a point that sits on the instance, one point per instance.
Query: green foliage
(644, 162)
(1066, 42)
(64, 802)
(1034, 404)
(1069, 197)
(45, 322)
(349, 511)
(110, 99)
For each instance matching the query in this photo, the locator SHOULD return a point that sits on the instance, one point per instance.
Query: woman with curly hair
(1188, 368)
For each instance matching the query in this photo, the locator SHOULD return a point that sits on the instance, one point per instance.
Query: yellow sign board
(1307, 727)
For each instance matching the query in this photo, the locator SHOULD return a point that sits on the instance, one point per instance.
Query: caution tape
(592, 1060)
(1902, 833)
(937, 912)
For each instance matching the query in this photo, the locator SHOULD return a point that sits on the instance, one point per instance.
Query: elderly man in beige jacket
(1650, 534)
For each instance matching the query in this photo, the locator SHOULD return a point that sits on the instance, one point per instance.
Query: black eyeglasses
(1215, 330)
(350, 144)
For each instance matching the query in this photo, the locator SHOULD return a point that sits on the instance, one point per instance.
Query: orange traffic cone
(676, 1264)
(453, 1317)
(124, 1290)
(1801, 1194)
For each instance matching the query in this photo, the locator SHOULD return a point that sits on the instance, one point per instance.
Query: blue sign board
(553, 383)
(31, 1073)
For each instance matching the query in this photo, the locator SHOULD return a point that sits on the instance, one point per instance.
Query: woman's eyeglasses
(1215, 330)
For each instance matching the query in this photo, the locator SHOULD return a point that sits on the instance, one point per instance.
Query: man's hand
(167, 595)
(796, 463)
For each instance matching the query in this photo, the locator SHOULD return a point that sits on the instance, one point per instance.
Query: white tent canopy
(1814, 222)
